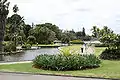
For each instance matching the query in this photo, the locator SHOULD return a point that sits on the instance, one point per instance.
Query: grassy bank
(108, 69)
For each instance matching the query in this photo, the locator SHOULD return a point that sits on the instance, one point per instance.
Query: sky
(71, 14)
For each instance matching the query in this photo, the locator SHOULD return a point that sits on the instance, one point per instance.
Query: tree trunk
(2, 29)
(0, 50)
(3, 15)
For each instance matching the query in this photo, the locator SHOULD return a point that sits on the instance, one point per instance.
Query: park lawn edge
(18, 68)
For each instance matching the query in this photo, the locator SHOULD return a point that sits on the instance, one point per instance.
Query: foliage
(53, 28)
(15, 18)
(65, 38)
(26, 46)
(15, 9)
(26, 30)
(6, 37)
(106, 36)
(9, 46)
(14, 30)
(31, 40)
(44, 35)
(4, 5)
(83, 32)
(70, 34)
(19, 40)
(78, 34)
(111, 54)
(61, 62)
(86, 38)
(68, 51)
(101, 45)
(116, 43)
(77, 41)
(94, 32)
(82, 35)
(110, 40)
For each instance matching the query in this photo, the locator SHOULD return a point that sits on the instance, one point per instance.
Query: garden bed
(61, 62)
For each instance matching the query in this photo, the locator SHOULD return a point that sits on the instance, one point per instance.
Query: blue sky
(71, 14)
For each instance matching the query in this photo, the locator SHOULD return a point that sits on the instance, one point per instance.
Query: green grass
(108, 69)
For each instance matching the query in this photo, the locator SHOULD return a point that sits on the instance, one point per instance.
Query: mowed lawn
(107, 69)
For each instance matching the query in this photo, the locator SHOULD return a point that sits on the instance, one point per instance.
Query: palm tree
(3, 15)
(18, 20)
(94, 31)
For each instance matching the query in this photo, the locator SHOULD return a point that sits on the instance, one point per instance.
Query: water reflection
(29, 54)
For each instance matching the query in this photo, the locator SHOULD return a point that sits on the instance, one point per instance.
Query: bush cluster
(9, 46)
(76, 42)
(101, 45)
(61, 62)
(111, 54)
(26, 46)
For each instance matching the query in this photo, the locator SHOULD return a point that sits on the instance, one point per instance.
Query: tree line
(19, 32)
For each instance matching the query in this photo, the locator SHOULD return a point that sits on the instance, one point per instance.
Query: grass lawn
(108, 69)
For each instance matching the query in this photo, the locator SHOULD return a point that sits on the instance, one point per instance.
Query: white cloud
(71, 14)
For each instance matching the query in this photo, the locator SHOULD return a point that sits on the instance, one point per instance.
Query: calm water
(29, 54)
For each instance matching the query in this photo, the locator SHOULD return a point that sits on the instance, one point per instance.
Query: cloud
(70, 14)
(83, 10)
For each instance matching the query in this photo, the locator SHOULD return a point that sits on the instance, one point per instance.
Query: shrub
(26, 46)
(31, 40)
(110, 54)
(9, 46)
(101, 45)
(61, 62)
(76, 42)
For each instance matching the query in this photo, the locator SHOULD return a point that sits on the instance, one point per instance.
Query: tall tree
(65, 38)
(26, 30)
(44, 35)
(3, 15)
(94, 31)
(83, 32)
(71, 34)
(15, 25)
(15, 9)
(78, 34)
(54, 28)
(31, 40)
(107, 36)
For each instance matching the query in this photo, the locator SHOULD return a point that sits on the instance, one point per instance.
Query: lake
(29, 55)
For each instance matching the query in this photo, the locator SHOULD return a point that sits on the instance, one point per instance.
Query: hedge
(76, 42)
(111, 54)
